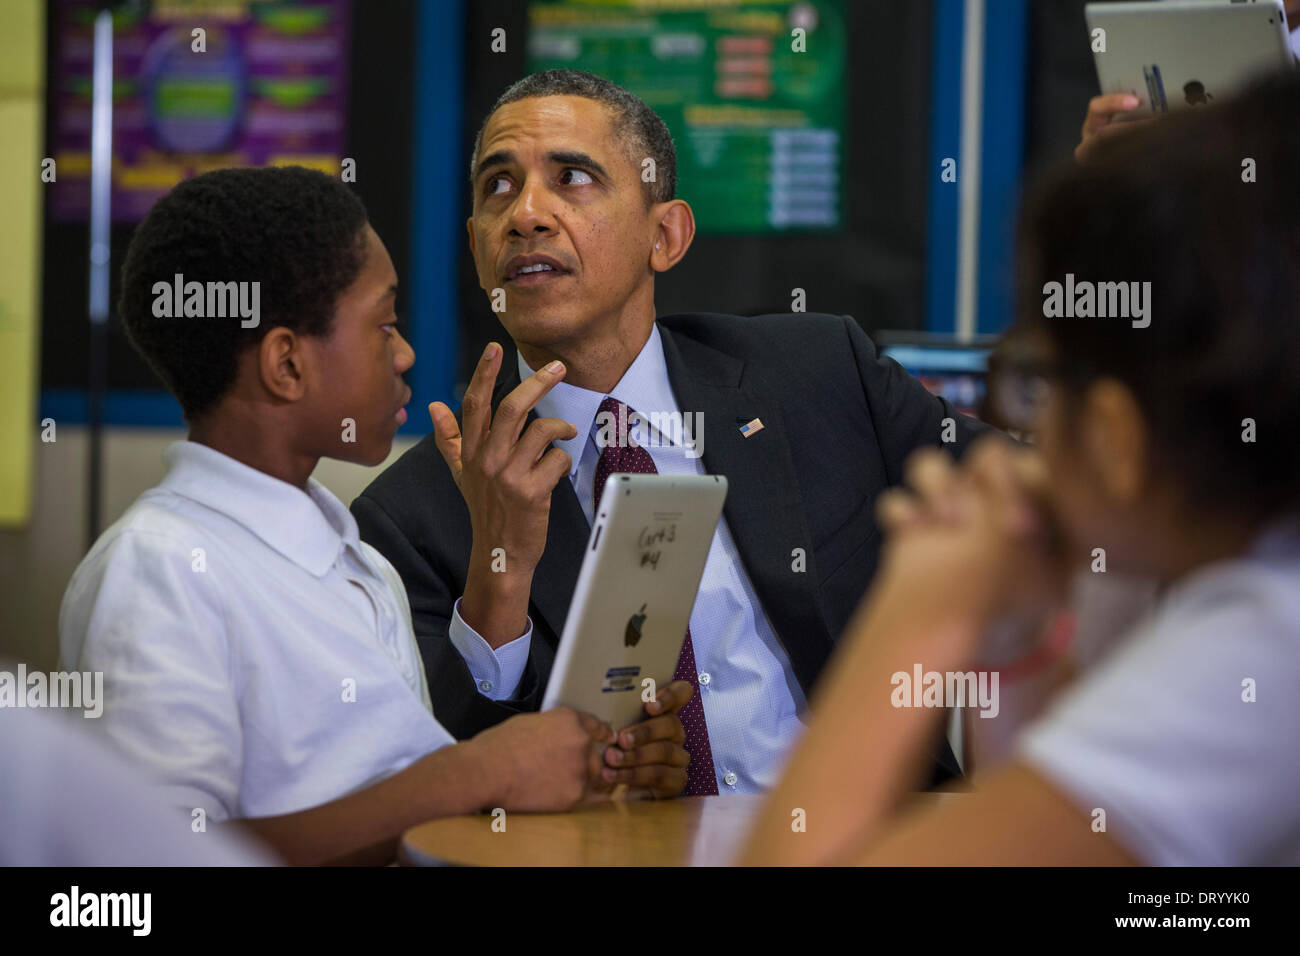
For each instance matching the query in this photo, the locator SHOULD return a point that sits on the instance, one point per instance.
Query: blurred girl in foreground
(1175, 449)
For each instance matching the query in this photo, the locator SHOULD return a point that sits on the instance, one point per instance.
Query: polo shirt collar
(308, 528)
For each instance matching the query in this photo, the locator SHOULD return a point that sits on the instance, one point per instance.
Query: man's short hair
(640, 131)
(296, 231)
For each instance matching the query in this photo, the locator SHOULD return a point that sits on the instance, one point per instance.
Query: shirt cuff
(496, 673)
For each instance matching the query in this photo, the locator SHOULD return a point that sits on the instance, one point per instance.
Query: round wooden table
(687, 831)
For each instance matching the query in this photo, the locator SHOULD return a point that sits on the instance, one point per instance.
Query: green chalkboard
(756, 109)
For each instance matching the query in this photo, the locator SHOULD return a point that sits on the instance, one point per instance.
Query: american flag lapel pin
(749, 428)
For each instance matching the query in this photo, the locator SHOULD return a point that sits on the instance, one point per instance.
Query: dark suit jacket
(838, 424)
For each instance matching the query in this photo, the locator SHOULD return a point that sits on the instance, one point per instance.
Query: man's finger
(539, 434)
(665, 752)
(663, 727)
(476, 405)
(446, 435)
(670, 699)
(661, 780)
(555, 464)
(513, 411)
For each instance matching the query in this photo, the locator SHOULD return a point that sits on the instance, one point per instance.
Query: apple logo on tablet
(633, 633)
(1194, 90)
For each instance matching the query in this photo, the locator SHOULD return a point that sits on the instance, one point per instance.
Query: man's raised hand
(506, 475)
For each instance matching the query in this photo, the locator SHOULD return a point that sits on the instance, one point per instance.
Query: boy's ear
(1115, 435)
(281, 362)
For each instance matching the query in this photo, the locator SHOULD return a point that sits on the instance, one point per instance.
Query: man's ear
(1114, 436)
(676, 229)
(281, 364)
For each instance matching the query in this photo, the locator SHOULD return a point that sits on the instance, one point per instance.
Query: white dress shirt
(258, 657)
(752, 701)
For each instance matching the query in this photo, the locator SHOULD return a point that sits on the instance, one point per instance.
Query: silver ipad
(1172, 54)
(649, 542)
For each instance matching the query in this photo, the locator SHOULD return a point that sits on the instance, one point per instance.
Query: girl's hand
(974, 541)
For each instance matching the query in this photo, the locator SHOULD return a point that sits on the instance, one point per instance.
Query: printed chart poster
(752, 91)
(263, 83)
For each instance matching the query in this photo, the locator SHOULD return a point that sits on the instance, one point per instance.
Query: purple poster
(200, 86)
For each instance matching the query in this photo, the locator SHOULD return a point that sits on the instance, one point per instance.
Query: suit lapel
(764, 509)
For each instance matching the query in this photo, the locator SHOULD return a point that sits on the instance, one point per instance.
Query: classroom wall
(37, 560)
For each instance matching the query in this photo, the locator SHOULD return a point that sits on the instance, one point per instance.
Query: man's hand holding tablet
(651, 756)
(506, 475)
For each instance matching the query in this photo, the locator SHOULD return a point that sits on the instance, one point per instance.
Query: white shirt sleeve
(496, 673)
(1164, 735)
(141, 613)
(69, 801)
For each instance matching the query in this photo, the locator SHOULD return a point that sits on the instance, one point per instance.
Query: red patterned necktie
(701, 779)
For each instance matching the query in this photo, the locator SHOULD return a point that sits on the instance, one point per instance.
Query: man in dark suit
(805, 421)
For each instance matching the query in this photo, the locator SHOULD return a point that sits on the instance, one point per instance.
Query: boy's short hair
(296, 231)
(1204, 206)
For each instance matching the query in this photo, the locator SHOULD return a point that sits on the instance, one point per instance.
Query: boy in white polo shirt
(258, 656)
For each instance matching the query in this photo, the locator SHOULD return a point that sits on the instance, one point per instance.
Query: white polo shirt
(1186, 733)
(258, 657)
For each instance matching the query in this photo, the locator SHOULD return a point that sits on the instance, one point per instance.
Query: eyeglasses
(1020, 384)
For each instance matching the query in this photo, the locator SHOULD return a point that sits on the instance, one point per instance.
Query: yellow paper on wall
(22, 48)
(20, 253)
(22, 105)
